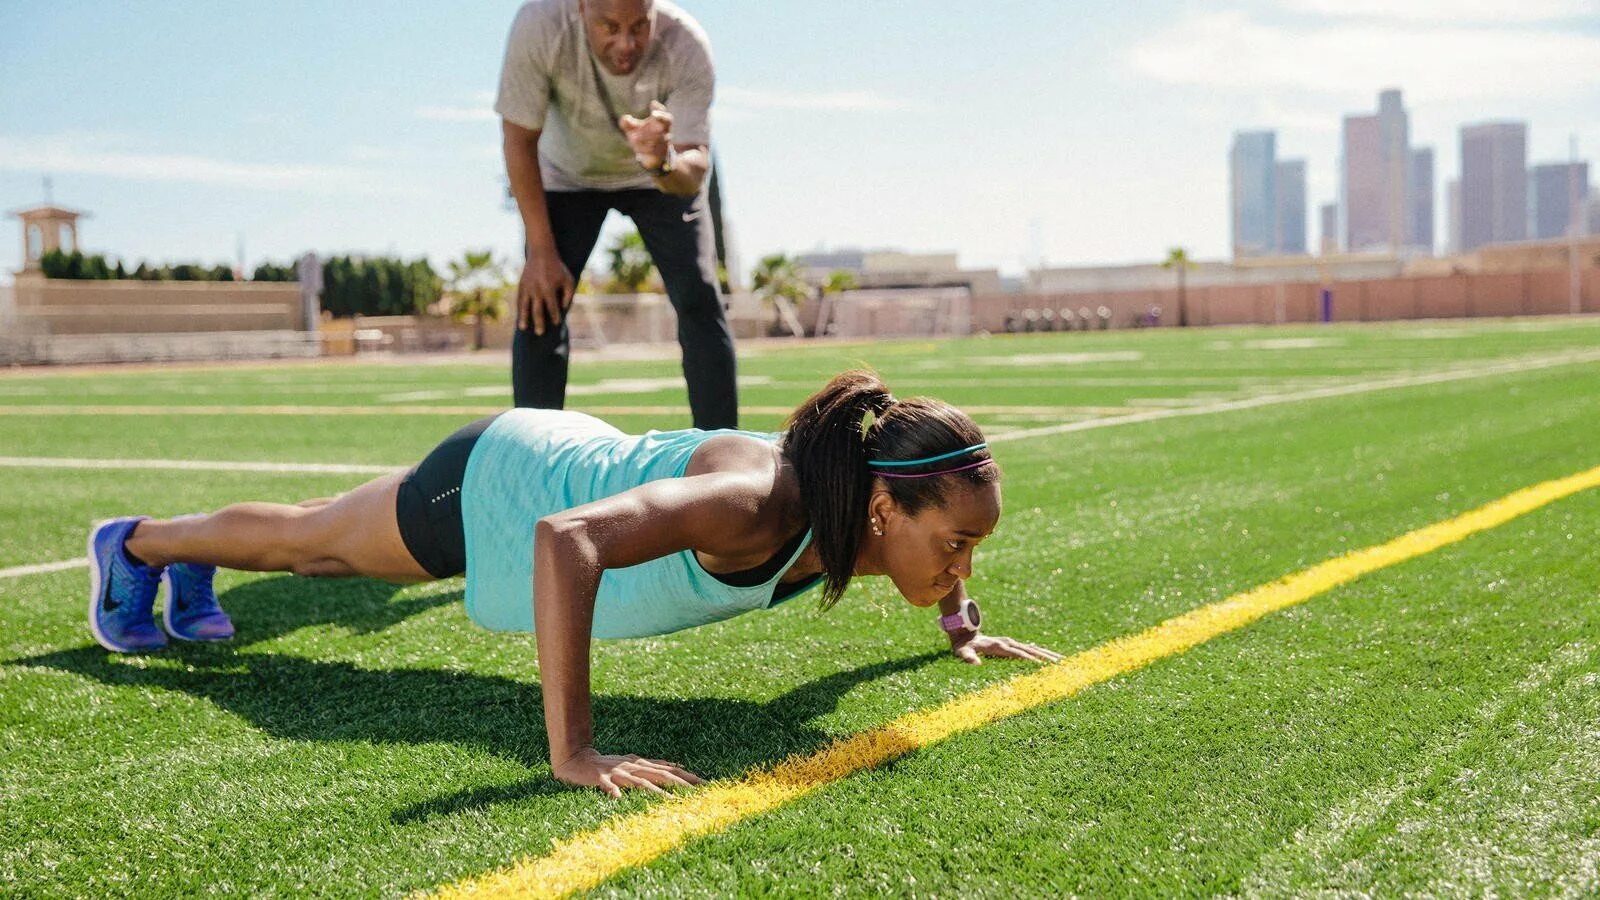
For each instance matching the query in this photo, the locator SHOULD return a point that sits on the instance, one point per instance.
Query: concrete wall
(1543, 292)
(71, 307)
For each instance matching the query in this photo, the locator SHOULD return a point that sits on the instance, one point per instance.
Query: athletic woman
(561, 521)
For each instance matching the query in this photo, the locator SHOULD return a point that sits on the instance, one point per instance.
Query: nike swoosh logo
(105, 593)
(691, 216)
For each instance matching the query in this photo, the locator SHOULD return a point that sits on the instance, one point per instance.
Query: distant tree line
(369, 286)
(352, 285)
(93, 267)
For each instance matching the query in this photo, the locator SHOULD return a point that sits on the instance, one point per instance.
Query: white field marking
(1321, 847)
(1295, 343)
(194, 465)
(607, 410)
(42, 568)
(1360, 387)
(1459, 374)
(603, 386)
(1050, 359)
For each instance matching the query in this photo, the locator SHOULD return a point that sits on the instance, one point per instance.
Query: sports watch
(965, 618)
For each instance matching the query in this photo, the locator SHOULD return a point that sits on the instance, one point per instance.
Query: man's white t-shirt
(551, 82)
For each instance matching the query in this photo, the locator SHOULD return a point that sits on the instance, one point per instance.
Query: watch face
(972, 613)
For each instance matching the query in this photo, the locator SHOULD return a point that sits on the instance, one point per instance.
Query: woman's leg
(355, 533)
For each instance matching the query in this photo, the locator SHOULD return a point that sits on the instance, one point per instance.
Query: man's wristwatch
(964, 619)
(667, 165)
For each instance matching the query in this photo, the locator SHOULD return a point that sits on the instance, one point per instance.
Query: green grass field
(1431, 728)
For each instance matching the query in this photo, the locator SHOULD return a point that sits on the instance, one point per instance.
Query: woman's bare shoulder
(770, 481)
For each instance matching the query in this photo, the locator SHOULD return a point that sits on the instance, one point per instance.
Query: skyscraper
(1494, 183)
(1330, 228)
(1553, 190)
(1420, 187)
(1452, 199)
(1376, 167)
(1290, 188)
(1252, 165)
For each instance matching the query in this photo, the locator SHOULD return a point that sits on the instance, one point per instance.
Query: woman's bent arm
(566, 579)
(718, 513)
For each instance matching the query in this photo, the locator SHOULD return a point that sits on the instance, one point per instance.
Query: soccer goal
(897, 312)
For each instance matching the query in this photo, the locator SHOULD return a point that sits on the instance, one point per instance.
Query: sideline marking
(41, 568)
(201, 465)
(1339, 390)
(1498, 368)
(588, 859)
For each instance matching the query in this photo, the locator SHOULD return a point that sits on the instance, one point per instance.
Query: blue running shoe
(193, 613)
(122, 593)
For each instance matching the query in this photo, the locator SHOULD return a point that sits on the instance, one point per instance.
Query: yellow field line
(586, 860)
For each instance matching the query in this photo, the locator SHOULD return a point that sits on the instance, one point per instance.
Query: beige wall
(1544, 292)
(62, 306)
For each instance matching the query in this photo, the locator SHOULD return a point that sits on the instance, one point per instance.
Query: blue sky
(1080, 132)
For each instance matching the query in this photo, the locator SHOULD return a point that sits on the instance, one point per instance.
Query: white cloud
(1449, 11)
(837, 101)
(1233, 50)
(96, 155)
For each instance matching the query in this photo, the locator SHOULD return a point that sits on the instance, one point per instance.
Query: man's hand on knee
(544, 292)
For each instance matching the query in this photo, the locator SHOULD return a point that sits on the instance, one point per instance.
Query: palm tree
(776, 279)
(839, 281)
(631, 265)
(1178, 258)
(477, 289)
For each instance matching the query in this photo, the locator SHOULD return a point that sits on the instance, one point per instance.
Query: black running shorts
(428, 505)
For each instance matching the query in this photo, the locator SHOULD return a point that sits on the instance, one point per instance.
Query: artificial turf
(1429, 728)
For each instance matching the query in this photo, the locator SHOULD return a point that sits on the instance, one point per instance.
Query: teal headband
(931, 459)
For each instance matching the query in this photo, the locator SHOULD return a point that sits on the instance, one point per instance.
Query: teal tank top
(530, 463)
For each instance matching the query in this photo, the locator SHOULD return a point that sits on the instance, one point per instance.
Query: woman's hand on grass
(972, 646)
(591, 768)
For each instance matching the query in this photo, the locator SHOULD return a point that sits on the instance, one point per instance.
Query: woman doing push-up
(565, 526)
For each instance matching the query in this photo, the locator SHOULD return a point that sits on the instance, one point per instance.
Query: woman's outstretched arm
(718, 514)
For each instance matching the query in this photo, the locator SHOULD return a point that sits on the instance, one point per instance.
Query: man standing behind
(605, 104)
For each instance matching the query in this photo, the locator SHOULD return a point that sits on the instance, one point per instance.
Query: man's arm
(689, 168)
(649, 138)
(545, 289)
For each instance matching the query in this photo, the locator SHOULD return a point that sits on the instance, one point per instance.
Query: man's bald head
(619, 31)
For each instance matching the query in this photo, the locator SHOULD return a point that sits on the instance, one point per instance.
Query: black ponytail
(830, 437)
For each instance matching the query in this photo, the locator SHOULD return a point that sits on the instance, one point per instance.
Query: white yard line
(1382, 384)
(42, 568)
(1360, 387)
(193, 465)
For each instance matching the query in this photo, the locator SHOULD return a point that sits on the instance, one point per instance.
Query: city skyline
(1387, 198)
(1063, 135)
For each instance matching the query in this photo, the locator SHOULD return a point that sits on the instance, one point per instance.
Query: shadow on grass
(270, 608)
(302, 699)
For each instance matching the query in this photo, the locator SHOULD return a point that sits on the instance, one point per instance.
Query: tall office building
(1452, 201)
(1420, 187)
(1330, 228)
(1494, 183)
(1375, 171)
(1290, 188)
(1554, 190)
(1252, 165)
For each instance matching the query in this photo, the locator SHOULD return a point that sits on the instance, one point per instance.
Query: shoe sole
(94, 597)
(165, 593)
